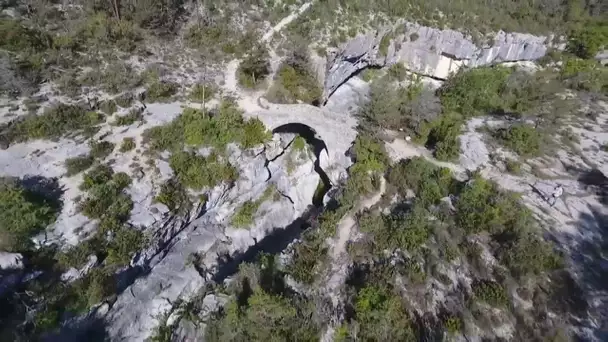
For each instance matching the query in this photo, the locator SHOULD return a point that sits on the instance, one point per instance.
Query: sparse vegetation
(54, 123)
(133, 116)
(161, 91)
(244, 216)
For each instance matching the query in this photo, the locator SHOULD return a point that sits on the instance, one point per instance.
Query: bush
(125, 243)
(295, 80)
(306, 256)
(523, 139)
(108, 107)
(491, 293)
(174, 196)
(129, 119)
(115, 78)
(429, 182)
(198, 172)
(254, 68)
(78, 164)
(18, 38)
(443, 137)
(405, 231)
(513, 166)
(125, 100)
(381, 315)
(483, 206)
(526, 254)
(161, 91)
(586, 41)
(399, 108)
(106, 198)
(198, 128)
(23, 214)
(52, 124)
(127, 145)
(202, 92)
(477, 91)
(101, 149)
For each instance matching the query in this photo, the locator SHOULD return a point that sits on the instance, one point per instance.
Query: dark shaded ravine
(318, 145)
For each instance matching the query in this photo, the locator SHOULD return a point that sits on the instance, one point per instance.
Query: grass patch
(244, 216)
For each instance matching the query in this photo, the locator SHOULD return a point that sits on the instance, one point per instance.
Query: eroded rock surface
(428, 51)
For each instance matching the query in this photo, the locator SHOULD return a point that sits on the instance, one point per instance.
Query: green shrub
(294, 84)
(129, 119)
(406, 108)
(18, 38)
(101, 174)
(483, 206)
(78, 164)
(174, 196)
(299, 144)
(526, 254)
(90, 290)
(513, 166)
(106, 198)
(453, 325)
(102, 31)
(306, 255)
(101, 149)
(382, 315)
(52, 124)
(397, 72)
(523, 139)
(264, 317)
(197, 128)
(443, 137)
(586, 41)
(161, 91)
(202, 92)
(108, 107)
(491, 293)
(23, 214)
(198, 172)
(477, 91)
(115, 78)
(406, 231)
(254, 68)
(429, 182)
(244, 216)
(384, 44)
(125, 243)
(124, 100)
(127, 145)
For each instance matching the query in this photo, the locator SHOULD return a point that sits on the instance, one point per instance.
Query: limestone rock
(428, 51)
(11, 261)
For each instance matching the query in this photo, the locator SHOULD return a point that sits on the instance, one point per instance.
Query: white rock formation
(428, 51)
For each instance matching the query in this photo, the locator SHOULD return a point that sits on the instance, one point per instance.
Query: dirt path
(285, 21)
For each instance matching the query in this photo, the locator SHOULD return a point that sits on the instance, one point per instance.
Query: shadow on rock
(582, 294)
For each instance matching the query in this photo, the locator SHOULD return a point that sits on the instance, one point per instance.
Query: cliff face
(428, 51)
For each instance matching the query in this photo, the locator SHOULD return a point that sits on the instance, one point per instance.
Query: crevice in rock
(268, 161)
(285, 195)
(318, 145)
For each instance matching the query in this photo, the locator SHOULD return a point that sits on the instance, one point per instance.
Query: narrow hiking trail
(285, 21)
(339, 263)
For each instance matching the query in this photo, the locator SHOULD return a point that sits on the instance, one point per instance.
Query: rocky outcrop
(428, 51)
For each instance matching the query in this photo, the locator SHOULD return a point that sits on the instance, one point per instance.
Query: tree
(254, 68)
